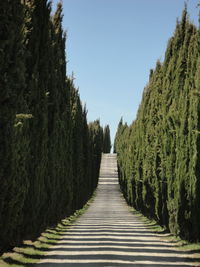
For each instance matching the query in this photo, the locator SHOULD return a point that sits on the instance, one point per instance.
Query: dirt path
(108, 234)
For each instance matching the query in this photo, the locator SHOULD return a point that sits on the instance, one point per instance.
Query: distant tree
(118, 133)
(96, 146)
(106, 140)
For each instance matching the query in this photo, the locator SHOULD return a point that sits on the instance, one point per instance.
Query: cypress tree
(14, 123)
(37, 40)
(96, 143)
(59, 159)
(77, 145)
(106, 140)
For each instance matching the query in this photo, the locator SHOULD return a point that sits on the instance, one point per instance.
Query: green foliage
(14, 140)
(158, 155)
(106, 140)
(50, 156)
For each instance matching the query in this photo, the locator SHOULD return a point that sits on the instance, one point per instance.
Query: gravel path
(108, 234)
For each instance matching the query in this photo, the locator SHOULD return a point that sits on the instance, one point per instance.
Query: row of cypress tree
(49, 154)
(159, 153)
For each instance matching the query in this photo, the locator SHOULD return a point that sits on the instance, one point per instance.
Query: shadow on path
(108, 234)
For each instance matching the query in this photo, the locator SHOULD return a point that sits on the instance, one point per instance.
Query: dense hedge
(159, 153)
(50, 155)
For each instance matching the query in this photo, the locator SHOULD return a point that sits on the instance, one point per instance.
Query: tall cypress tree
(14, 122)
(59, 159)
(37, 40)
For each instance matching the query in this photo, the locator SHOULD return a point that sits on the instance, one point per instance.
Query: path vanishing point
(109, 234)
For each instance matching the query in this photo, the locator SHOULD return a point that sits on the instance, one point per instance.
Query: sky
(111, 47)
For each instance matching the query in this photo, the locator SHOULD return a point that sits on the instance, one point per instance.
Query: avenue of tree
(159, 153)
(50, 155)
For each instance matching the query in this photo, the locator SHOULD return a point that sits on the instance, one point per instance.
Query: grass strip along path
(109, 233)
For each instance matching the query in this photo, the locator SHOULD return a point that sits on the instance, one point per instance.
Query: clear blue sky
(111, 46)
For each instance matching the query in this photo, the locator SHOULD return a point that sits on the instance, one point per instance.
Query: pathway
(108, 234)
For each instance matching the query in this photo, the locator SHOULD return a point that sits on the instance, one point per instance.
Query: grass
(31, 252)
